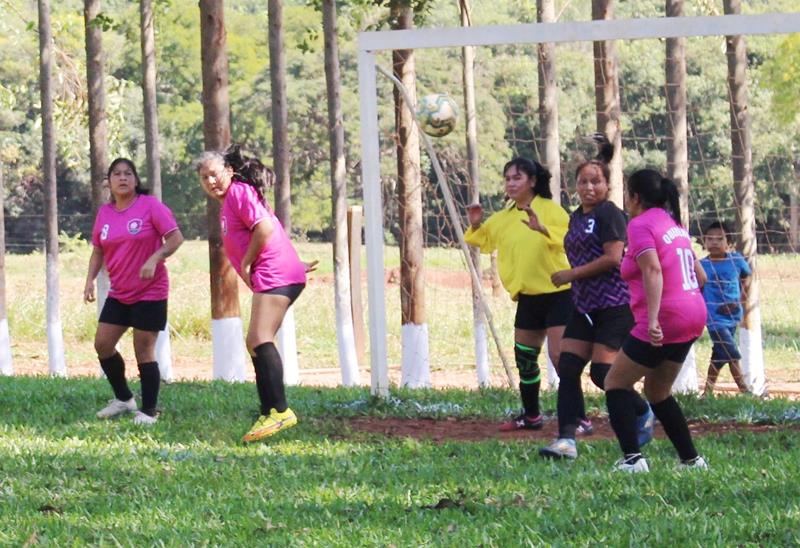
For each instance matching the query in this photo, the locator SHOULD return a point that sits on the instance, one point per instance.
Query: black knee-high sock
(570, 395)
(674, 423)
(114, 368)
(151, 382)
(269, 366)
(640, 404)
(529, 377)
(598, 372)
(622, 415)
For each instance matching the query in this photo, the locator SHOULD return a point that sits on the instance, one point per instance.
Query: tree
(98, 125)
(607, 104)
(147, 38)
(55, 340)
(548, 100)
(345, 336)
(415, 369)
(468, 80)
(744, 192)
(6, 364)
(226, 324)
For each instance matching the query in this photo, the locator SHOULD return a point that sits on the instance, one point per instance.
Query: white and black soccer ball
(437, 114)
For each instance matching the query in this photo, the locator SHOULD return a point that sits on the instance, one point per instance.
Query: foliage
(507, 102)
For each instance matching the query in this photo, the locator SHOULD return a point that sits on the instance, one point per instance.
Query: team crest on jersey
(135, 226)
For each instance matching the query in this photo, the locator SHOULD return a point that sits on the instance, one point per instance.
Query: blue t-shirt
(722, 292)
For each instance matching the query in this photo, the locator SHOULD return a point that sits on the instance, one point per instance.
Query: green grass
(448, 304)
(68, 479)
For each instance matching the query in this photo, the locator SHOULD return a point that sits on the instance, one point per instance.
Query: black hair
(654, 190)
(139, 188)
(249, 170)
(605, 151)
(535, 171)
(719, 225)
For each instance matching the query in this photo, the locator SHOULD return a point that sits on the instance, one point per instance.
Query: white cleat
(697, 463)
(116, 408)
(624, 465)
(143, 419)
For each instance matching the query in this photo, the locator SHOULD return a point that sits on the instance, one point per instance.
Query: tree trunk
(548, 100)
(55, 340)
(6, 363)
(98, 126)
(226, 324)
(607, 103)
(744, 192)
(415, 367)
(678, 156)
(345, 335)
(147, 35)
(287, 343)
(468, 76)
(280, 115)
(794, 209)
(677, 146)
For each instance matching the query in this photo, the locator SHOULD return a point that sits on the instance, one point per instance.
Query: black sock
(269, 378)
(151, 382)
(114, 368)
(598, 372)
(622, 415)
(570, 395)
(526, 358)
(640, 404)
(674, 423)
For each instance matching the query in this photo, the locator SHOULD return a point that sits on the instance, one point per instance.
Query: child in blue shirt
(724, 301)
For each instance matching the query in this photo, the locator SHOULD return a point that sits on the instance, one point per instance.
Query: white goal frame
(371, 43)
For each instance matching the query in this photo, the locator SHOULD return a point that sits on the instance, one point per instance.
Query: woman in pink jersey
(262, 254)
(132, 235)
(662, 274)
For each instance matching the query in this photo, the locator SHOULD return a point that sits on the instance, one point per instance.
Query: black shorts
(651, 356)
(608, 326)
(142, 315)
(537, 312)
(292, 291)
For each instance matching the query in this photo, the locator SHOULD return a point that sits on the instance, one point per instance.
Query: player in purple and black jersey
(602, 317)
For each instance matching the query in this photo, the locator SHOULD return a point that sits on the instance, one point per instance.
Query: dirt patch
(441, 430)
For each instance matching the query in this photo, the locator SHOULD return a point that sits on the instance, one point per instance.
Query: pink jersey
(277, 264)
(127, 239)
(683, 312)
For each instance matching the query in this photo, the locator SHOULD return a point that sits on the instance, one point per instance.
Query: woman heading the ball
(602, 317)
(132, 235)
(664, 279)
(262, 254)
(529, 239)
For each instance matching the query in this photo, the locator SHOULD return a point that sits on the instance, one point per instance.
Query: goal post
(372, 43)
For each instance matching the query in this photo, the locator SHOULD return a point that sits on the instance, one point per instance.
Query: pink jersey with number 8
(683, 311)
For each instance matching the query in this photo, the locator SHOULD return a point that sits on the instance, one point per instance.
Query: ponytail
(656, 191)
(671, 199)
(249, 170)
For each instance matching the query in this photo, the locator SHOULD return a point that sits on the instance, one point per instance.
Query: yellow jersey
(525, 258)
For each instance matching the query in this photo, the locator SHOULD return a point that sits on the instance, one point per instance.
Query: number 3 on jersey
(686, 258)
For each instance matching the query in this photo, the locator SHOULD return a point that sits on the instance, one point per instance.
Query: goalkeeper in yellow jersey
(529, 239)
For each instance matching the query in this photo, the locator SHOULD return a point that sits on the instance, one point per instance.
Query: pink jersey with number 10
(683, 311)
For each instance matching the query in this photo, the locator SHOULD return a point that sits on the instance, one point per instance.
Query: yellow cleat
(269, 425)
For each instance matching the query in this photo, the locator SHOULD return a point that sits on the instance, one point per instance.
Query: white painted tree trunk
(286, 337)
(56, 361)
(6, 363)
(481, 351)
(686, 381)
(552, 375)
(164, 355)
(229, 353)
(415, 371)
(750, 345)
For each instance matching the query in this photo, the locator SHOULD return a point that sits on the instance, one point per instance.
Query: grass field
(447, 296)
(67, 479)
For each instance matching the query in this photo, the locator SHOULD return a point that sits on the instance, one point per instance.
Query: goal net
(442, 336)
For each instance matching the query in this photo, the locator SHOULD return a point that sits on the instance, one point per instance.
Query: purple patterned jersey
(584, 243)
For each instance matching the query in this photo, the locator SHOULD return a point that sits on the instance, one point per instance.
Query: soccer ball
(437, 114)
